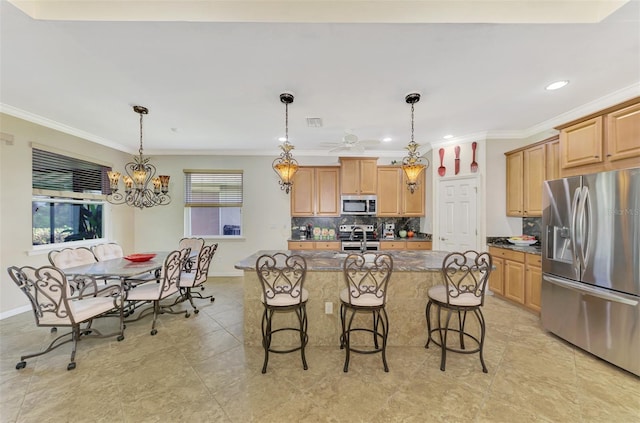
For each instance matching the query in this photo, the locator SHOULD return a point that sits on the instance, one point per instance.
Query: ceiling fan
(350, 142)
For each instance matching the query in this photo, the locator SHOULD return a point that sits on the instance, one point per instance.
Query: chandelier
(413, 164)
(285, 165)
(141, 187)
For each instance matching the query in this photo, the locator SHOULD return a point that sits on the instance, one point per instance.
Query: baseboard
(15, 311)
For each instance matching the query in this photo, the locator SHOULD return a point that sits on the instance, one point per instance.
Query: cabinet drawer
(327, 245)
(301, 245)
(507, 254)
(419, 245)
(533, 260)
(393, 245)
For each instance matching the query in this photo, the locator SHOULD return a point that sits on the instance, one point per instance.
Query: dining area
(84, 285)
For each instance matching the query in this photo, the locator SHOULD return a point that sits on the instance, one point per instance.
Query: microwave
(358, 205)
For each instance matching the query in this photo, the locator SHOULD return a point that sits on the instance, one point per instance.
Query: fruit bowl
(139, 257)
(522, 241)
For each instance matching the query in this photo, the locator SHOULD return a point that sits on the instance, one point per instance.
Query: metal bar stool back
(464, 277)
(282, 279)
(366, 276)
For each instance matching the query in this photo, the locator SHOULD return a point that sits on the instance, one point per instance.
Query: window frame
(189, 202)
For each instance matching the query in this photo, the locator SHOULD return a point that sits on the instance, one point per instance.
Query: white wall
(497, 221)
(15, 200)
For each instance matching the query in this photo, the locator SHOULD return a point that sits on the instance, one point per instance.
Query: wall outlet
(328, 307)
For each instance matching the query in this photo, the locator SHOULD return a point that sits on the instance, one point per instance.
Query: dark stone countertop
(530, 249)
(321, 260)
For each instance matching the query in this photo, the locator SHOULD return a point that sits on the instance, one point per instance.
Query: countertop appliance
(389, 231)
(358, 205)
(358, 238)
(591, 264)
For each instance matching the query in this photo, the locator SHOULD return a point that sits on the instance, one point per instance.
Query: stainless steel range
(358, 238)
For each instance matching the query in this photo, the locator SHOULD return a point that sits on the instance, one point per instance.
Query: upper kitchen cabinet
(358, 175)
(394, 199)
(526, 172)
(553, 159)
(607, 140)
(623, 133)
(315, 191)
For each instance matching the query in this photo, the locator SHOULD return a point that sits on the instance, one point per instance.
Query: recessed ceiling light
(448, 137)
(556, 85)
(387, 139)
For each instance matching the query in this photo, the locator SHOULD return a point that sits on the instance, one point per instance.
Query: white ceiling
(211, 72)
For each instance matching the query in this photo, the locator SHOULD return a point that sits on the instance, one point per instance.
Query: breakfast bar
(414, 272)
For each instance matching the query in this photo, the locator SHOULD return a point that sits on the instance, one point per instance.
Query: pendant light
(142, 189)
(285, 165)
(413, 164)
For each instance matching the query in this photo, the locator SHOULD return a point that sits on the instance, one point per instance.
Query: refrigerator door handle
(588, 290)
(574, 213)
(586, 226)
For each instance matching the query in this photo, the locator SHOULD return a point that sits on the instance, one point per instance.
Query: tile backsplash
(532, 226)
(406, 223)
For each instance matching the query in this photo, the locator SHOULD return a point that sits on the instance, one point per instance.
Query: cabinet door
(419, 245)
(389, 181)
(413, 203)
(515, 196)
(581, 144)
(349, 176)
(327, 191)
(301, 245)
(623, 133)
(393, 245)
(514, 281)
(496, 279)
(553, 160)
(533, 287)
(368, 176)
(302, 192)
(534, 164)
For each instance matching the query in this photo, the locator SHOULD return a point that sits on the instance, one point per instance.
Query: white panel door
(458, 215)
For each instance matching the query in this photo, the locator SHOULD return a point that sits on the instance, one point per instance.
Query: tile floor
(198, 370)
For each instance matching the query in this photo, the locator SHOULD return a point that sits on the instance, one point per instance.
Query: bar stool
(282, 279)
(465, 276)
(366, 276)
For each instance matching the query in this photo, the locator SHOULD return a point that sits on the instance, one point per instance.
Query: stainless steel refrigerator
(591, 264)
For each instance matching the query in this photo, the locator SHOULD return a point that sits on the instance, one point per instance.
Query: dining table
(119, 268)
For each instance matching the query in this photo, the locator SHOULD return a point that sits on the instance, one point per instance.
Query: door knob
(443, 239)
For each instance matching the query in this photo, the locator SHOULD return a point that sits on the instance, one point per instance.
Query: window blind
(56, 172)
(213, 188)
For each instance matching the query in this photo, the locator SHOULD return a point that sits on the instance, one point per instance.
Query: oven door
(356, 245)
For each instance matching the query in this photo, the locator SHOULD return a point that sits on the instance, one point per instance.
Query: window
(67, 198)
(213, 202)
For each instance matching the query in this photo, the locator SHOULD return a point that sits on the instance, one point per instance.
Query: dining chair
(282, 279)
(56, 304)
(154, 290)
(71, 257)
(107, 251)
(366, 277)
(188, 281)
(464, 280)
(195, 245)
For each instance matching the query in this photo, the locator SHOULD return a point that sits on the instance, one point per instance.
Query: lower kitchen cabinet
(514, 280)
(496, 279)
(314, 245)
(533, 281)
(517, 276)
(405, 245)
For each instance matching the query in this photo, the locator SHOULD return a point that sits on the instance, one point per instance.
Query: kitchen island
(414, 272)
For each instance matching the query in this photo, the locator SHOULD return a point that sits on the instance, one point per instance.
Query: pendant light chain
(412, 107)
(140, 150)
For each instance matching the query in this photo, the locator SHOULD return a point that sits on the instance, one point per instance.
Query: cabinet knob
(609, 155)
(596, 157)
